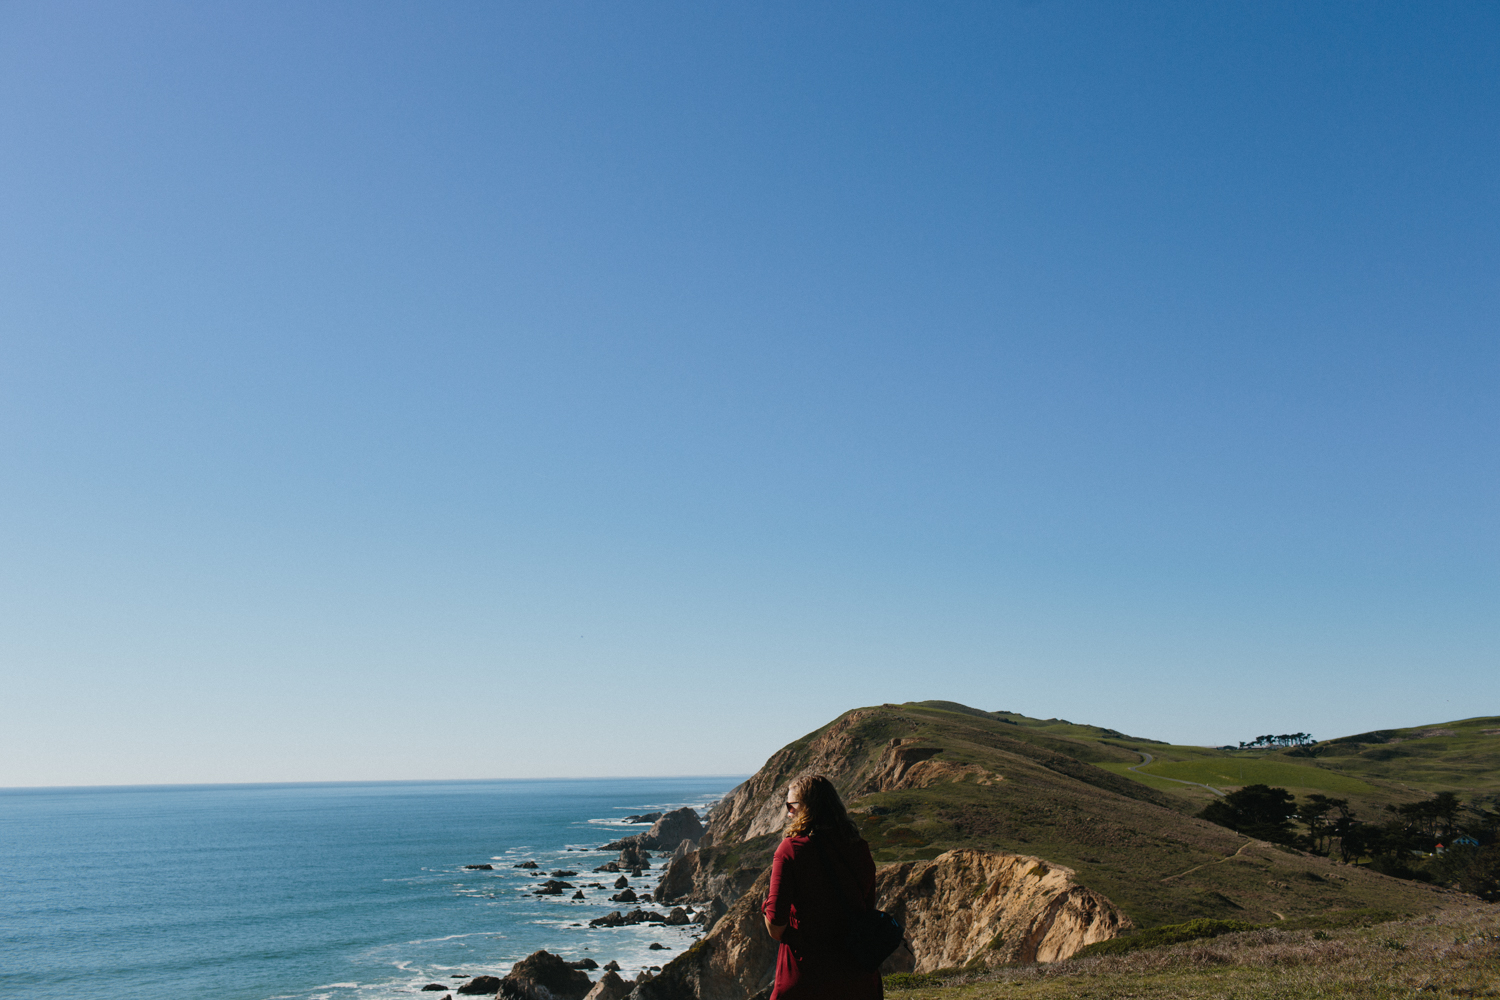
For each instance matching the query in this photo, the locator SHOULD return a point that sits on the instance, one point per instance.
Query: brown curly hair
(821, 810)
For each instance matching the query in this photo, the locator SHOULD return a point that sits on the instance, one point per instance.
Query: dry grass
(1451, 953)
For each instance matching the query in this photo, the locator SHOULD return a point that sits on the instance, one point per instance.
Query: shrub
(910, 980)
(1158, 937)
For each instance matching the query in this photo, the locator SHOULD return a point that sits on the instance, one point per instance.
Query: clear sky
(475, 389)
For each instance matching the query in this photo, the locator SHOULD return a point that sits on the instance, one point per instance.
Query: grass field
(1161, 784)
(1449, 954)
(1236, 771)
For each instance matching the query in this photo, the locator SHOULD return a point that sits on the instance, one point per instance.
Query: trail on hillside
(1220, 861)
(1163, 777)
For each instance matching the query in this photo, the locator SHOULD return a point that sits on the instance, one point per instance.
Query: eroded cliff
(983, 908)
(963, 908)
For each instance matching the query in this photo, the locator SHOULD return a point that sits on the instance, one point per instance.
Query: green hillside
(1372, 770)
(960, 777)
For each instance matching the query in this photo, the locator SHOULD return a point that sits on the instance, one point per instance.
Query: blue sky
(505, 390)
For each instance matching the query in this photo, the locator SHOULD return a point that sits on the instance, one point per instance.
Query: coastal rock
(563, 873)
(584, 963)
(611, 866)
(480, 986)
(732, 962)
(480, 868)
(622, 882)
(692, 878)
(552, 887)
(434, 988)
(545, 976)
(609, 987)
(617, 919)
(624, 896)
(657, 946)
(679, 877)
(644, 818)
(984, 909)
(578, 894)
(634, 855)
(614, 918)
(527, 864)
(611, 966)
(672, 829)
(678, 917)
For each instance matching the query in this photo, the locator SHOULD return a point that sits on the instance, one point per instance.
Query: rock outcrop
(963, 908)
(666, 834)
(617, 919)
(911, 764)
(673, 828)
(643, 818)
(732, 962)
(545, 976)
(480, 986)
(694, 877)
(633, 854)
(609, 987)
(982, 909)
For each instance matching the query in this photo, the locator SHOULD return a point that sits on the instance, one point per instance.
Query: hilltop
(946, 793)
(964, 778)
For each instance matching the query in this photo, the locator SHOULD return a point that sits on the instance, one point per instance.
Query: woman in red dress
(821, 876)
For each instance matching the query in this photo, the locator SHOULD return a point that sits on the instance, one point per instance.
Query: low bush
(1157, 937)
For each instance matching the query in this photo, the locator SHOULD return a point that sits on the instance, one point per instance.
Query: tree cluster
(1404, 843)
(1284, 740)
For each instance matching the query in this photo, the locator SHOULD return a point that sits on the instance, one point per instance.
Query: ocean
(314, 892)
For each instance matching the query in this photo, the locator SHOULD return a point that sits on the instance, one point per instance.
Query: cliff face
(956, 804)
(986, 909)
(756, 808)
(735, 959)
(962, 908)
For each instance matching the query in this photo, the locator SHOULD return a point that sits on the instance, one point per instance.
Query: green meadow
(1236, 771)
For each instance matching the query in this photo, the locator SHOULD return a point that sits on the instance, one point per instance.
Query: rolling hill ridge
(937, 786)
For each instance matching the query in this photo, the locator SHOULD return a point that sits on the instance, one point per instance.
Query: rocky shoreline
(542, 975)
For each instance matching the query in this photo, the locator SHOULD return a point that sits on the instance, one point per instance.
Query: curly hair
(821, 810)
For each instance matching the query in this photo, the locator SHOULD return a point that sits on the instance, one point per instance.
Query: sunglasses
(792, 807)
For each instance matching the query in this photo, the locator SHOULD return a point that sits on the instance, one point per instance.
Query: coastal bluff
(968, 907)
(998, 840)
(963, 908)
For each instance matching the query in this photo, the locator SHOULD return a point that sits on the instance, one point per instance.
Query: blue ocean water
(312, 892)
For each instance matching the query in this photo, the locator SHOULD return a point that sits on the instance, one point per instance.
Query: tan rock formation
(609, 987)
(910, 764)
(985, 909)
(961, 908)
(755, 809)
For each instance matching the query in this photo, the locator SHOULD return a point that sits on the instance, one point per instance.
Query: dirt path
(1149, 758)
(1218, 862)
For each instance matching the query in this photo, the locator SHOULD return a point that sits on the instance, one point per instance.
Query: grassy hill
(926, 777)
(1453, 954)
(1372, 770)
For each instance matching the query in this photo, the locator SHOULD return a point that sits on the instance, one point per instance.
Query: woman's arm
(777, 908)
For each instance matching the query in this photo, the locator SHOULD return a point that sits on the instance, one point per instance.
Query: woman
(821, 876)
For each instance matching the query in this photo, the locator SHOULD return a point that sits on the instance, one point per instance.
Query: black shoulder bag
(873, 933)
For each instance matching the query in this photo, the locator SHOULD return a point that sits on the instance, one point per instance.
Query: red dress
(815, 904)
